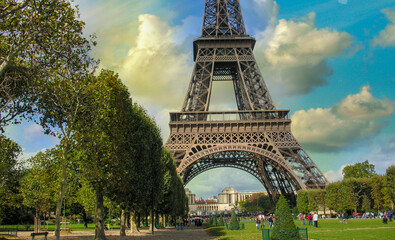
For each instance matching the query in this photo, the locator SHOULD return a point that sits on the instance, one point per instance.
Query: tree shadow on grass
(216, 231)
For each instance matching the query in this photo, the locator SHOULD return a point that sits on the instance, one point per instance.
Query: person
(178, 222)
(310, 219)
(270, 220)
(257, 223)
(302, 221)
(315, 219)
(345, 217)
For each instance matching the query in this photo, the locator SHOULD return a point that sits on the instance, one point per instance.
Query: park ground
(356, 229)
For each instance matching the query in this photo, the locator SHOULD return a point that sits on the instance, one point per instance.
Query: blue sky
(331, 62)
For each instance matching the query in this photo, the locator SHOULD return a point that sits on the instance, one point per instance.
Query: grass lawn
(358, 229)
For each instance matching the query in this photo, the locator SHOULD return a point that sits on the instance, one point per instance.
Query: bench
(39, 234)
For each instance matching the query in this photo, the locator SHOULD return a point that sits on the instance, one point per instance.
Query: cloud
(364, 106)
(156, 67)
(335, 128)
(382, 156)
(335, 176)
(386, 37)
(293, 54)
(345, 2)
(32, 131)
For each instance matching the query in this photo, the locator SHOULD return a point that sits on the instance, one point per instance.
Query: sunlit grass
(356, 229)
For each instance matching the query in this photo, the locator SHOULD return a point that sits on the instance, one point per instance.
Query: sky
(330, 62)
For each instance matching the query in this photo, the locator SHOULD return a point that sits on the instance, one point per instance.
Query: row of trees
(109, 147)
(257, 202)
(362, 190)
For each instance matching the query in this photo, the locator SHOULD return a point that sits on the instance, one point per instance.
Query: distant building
(225, 201)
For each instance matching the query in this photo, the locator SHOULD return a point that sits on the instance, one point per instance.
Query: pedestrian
(345, 217)
(270, 220)
(310, 219)
(257, 222)
(315, 219)
(302, 221)
(178, 223)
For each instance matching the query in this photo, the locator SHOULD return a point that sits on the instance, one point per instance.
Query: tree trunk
(61, 192)
(36, 223)
(133, 226)
(152, 224)
(85, 219)
(99, 222)
(138, 220)
(122, 231)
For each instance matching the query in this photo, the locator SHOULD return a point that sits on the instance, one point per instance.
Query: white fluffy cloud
(364, 106)
(335, 176)
(386, 37)
(354, 119)
(293, 54)
(156, 68)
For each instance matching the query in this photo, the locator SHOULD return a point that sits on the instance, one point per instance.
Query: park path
(189, 233)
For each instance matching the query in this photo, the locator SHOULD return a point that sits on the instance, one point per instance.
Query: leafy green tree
(100, 134)
(10, 173)
(285, 227)
(366, 204)
(37, 37)
(221, 220)
(39, 186)
(302, 201)
(359, 170)
(390, 174)
(332, 196)
(234, 223)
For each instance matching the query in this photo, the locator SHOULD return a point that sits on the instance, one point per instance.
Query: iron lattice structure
(256, 138)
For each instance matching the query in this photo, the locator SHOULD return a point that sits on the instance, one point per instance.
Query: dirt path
(165, 234)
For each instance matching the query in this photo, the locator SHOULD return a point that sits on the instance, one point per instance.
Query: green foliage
(234, 223)
(302, 201)
(390, 174)
(257, 202)
(38, 39)
(284, 227)
(10, 174)
(221, 220)
(359, 170)
(215, 222)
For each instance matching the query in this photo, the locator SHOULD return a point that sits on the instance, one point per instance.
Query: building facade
(225, 202)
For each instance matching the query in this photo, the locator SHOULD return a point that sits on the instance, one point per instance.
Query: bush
(284, 226)
(221, 220)
(215, 220)
(234, 224)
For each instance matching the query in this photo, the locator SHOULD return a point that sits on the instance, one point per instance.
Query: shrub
(234, 224)
(221, 220)
(284, 226)
(215, 220)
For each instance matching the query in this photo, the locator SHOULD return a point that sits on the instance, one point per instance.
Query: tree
(285, 227)
(234, 224)
(332, 196)
(36, 38)
(302, 201)
(359, 170)
(40, 186)
(10, 173)
(390, 175)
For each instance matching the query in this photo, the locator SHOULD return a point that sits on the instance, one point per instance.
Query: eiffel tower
(257, 137)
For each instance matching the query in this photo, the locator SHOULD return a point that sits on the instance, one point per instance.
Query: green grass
(358, 229)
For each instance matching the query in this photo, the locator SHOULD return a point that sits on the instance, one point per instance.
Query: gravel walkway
(191, 232)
